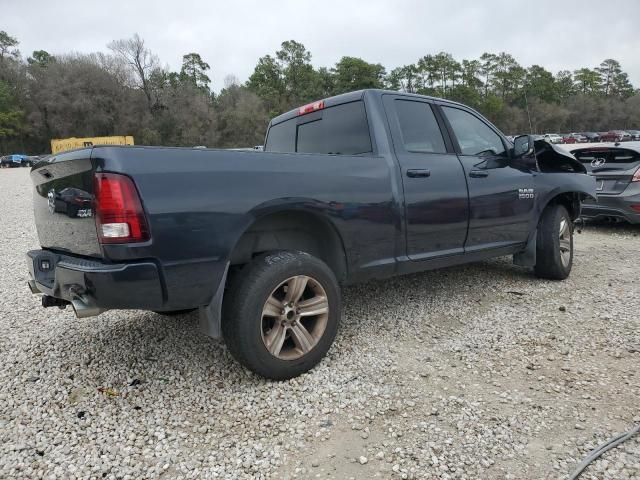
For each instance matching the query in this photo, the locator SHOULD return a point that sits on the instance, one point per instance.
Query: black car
(74, 202)
(592, 137)
(617, 173)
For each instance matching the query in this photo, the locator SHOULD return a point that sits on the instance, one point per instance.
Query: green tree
(488, 66)
(41, 58)
(194, 70)
(608, 71)
(267, 82)
(470, 71)
(539, 83)
(352, 73)
(613, 80)
(11, 117)
(297, 72)
(7, 44)
(564, 85)
(508, 75)
(587, 81)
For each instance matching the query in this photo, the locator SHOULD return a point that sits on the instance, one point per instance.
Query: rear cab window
(339, 130)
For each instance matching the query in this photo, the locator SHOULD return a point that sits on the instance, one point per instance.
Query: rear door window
(339, 130)
(419, 128)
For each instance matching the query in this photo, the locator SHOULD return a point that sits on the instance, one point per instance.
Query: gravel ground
(480, 371)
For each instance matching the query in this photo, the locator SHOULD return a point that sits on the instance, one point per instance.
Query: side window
(418, 127)
(474, 136)
(342, 130)
(282, 137)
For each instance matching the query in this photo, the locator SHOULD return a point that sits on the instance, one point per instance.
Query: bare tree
(140, 60)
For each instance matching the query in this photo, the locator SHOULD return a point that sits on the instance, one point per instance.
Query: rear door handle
(478, 173)
(418, 173)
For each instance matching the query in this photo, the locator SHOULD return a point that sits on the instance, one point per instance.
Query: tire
(173, 313)
(554, 244)
(274, 335)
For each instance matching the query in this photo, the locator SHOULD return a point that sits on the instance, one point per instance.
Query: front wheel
(554, 245)
(281, 314)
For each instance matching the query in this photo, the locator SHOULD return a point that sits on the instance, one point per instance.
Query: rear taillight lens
(118, 210)
(636, 176)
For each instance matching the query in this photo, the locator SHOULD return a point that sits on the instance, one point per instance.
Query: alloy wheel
(565, 242)
(294, 317)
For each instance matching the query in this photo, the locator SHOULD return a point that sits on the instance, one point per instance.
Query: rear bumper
(99, 285)
(614, 206)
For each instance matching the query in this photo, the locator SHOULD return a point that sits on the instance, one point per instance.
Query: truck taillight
(636, 176)
(311, 107)
(118, 210)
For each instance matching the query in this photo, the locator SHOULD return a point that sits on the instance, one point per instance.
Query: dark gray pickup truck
(364, 185)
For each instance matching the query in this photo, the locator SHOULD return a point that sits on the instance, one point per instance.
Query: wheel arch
(571, 200)
(291, 228)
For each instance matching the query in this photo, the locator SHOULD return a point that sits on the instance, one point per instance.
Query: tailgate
(63, 203)
(612, 167)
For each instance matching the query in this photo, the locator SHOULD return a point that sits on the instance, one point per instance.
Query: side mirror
(522, 145)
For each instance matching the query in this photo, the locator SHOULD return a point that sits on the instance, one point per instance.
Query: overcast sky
(232, 35)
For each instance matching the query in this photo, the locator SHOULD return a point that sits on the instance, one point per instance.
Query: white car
(553, 138)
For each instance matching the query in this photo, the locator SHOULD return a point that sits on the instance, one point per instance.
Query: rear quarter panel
(200, 201)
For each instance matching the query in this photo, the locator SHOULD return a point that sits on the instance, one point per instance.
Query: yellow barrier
(63, 144)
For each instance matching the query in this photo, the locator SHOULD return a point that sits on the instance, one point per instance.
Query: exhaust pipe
(33, 287)
(84, 310)
(82, 305)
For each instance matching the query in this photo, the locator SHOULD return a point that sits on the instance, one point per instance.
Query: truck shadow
(141, 344)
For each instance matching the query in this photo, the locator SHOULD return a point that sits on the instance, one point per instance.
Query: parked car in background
(617, 173)
(591, 137)
(615, 136)
(635, 134)
(574, 138)
(16, 160)
(553, 138)
(580, 138)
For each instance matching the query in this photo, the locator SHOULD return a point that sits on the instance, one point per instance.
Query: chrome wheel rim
(294, 317)
(565, 242)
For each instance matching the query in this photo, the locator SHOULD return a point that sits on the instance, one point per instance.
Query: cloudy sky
(232, 35)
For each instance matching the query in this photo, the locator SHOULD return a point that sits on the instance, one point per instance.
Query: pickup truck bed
(365, 185)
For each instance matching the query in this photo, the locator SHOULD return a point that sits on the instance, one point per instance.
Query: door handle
(418, 173)
(478, 173)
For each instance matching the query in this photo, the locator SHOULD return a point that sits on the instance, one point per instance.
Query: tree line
(127, 91)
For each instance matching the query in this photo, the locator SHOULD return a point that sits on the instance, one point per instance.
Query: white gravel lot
(474, 372)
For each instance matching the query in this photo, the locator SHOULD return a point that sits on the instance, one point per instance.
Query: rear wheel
(554, 245)
(281, 314)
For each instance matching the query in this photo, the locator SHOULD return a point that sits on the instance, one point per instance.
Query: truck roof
(353, 96)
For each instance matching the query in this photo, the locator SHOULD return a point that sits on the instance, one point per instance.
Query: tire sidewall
(562, 213)
(248, 312)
